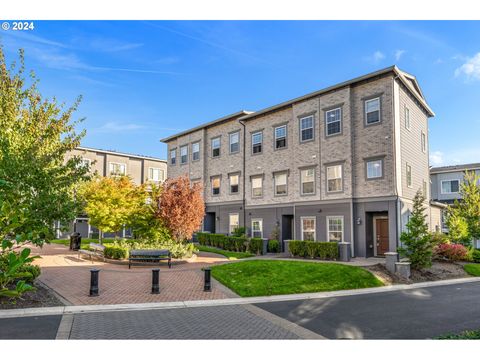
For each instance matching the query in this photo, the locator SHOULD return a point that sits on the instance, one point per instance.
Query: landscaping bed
(231, 255)
(42, 297)
(277, 277)
(464, 335)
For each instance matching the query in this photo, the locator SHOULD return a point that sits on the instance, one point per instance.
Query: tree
(112, 202)
(181, 207)
(36, 183)
(417, 241)
(458, 231)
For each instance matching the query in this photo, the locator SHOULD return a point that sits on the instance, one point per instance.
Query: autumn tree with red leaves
(181, 207)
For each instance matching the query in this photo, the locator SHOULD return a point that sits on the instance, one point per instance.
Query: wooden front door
(381, 233)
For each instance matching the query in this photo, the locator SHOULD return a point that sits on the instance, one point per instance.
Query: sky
(145, 80)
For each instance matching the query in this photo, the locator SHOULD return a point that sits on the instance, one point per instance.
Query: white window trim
(219, 146)
(381, 169)
(314, 182)
(117, 163)
(313, 128)
(379, 111)
(405, 111)
(275, 183)
(174, 157)
(230, 183)
(155, 168)
(328, 226)
(451, 192)
(230, 142)
(251, 185)
(314, 227)
(261, 227)
(186, 155)
(341, 178)
(275, 138)
(423, 143)
(261, 142)
(327, 123)
(219, 187)
(193, 152)
(230, 224)
(407, 165)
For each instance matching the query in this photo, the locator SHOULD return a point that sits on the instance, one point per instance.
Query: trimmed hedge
(314, 249)
(476, 256)
(255, 246)
(273, 246)
(115, 252)
(230, 243)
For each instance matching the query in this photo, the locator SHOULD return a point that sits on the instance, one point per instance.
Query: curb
(78, 309)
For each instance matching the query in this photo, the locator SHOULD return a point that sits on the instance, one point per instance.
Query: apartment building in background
(339, 164)
(112, 163)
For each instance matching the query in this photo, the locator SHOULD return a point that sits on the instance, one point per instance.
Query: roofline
(438, 204)
(206, 125)
(120, 153)
(454, 168)
(392, 68)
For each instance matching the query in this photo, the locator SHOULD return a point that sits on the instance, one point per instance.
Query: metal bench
(94, 250)
(147, 256)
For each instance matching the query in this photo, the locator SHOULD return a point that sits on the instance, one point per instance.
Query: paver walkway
(69, 276)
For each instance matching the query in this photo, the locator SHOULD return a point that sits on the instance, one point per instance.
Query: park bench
(94, 250)
(146, 256)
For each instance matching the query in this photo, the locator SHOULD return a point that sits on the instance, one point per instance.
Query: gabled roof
(113, 152)
(454, 168)
(208, 124)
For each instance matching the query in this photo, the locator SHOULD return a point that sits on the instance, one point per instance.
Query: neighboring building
(445, 185)
(339, 164)
(107, 163)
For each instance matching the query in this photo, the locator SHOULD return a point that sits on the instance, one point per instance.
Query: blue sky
(144, 80)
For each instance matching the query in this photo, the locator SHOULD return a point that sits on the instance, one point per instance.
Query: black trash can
(75, 241)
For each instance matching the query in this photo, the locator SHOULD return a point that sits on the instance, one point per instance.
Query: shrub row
(476, 256)
(450, 252)
(235, 243)
(314, 249)
(115, 252)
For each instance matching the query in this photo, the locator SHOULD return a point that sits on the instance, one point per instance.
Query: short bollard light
(155, 281)
(94, 282)
(208, 282)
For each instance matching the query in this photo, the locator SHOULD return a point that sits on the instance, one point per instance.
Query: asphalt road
(410, 314)
(35, 327)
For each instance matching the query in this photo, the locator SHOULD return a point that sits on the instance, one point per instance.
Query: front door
(381, 234)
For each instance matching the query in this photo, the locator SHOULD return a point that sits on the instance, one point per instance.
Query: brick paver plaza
(69, 276)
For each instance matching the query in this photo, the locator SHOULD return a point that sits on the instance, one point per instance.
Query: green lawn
(464, 335)
(232, 255)
(472, 269)
(276, 277)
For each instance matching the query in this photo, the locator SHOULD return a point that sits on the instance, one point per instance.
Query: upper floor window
(281, 137)
(425, 188)
(173, 156)
(280, 180)
(234, 142)
(216, 185)
(117, 169)
(372, 111)
(450, 186)
(423, 142)
(306, 128)
(234, 180)
(409, 176)
(257, 139)
(195, 151)
(216, 147)
(374, 169)
(407, 118)
(307, 180)
(156, 174)
(257, 186)
(308, 228)
(335, 228)
(183, 154)
(334, 178)
(333, 121)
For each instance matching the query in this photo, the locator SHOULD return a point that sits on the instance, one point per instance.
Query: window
(173, 156)
(407, 118)
(195, 151)
(183, 154)
(424, 142)
(257, 186)
(308, 228)
(280, 184)
(333, 121)
(334, 178)
(155, 174)
(281, 137)
(372, 111)
(306, 128)
(257, 228)
(424, 188)
(257, 139)
(409, 176)
(450, 186)
(234, 142)
(335, 228)
(374, 169)
(307, 180)
(216, 147)
(233, 222)
(216, 185)
(85, 163)
(234, 179)
(117, 169)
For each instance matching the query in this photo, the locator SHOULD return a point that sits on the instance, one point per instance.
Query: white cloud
(398, 54)
(455, 157)
(114, 126)
(376, 57)
(471, 68)
(436, 158)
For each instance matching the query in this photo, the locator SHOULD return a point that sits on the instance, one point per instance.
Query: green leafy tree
(37, 184)
(458, 231)
(417, 241)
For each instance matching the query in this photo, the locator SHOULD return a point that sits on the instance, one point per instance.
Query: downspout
(395, 160)
(352, 178)
(243, 175)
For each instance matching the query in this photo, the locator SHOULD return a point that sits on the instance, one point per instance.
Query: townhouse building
(339, 164)
(112, 163)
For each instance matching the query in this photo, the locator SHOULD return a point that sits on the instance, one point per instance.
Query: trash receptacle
(75, 241)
